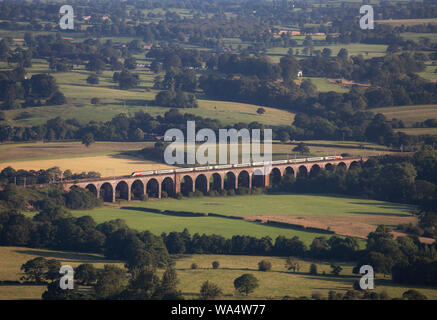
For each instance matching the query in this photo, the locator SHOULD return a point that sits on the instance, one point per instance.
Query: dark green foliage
(78, 199)
(176, 99)
(40, 270)
(313, 269)
(85, 274)
(247, 283)
(264, 265)
(210, 291)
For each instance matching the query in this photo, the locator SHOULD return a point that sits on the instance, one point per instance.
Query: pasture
(275, 284)
(409, 114)
(114, 101)
(344, 215)
(418, 131)
(406, 22)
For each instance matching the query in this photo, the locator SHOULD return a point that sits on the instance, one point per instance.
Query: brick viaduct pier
(250, 176)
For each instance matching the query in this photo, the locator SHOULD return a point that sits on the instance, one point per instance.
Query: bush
(92, 79)
(164, 195)
(210, 291)
(179, 195)
(213, 193)
(194, 266)
(95, 100)
(243, 191)
(230, 192)
(316, 296)
(264, 265)
(313, 269)
(144, 197)
(198, 194)
(215, 264)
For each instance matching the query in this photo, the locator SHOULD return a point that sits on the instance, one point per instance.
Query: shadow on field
(67, 256)
(394, 206)
(380, 214)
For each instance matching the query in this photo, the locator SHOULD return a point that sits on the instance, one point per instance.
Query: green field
(409, 114)
(325, 86)
(140, 219)
(114, 101)
(343, 215)
(418, 131)
(275, 284)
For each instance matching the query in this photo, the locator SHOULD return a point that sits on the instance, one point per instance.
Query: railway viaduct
(131, 187)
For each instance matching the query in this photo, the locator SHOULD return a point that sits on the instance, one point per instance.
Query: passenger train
(229, 166)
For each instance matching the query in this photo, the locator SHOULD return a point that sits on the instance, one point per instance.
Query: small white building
(299, 73)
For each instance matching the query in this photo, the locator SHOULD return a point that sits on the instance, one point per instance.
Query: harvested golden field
(103, 157)
(107, 165)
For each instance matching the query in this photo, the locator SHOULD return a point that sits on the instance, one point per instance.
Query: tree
(55, 292)
(413, 295)
(215, 264)
(56, 99)
(301, 148)
(88, 139)
(247, 283)
(261, 111)
(336, 270)
(343, 54)
(264, 265)
(92, 79)
(326, 52)
(210, 291)
(292, 264)
(40, 270)
(169, 283)
(85, 274)
(313, 269)
(110, 282)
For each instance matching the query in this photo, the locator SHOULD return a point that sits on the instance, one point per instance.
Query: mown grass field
(325, 86)
(343, 215)
(418, 131)
(406, 22)
(275, 284)
(137, 217)
(409, 114)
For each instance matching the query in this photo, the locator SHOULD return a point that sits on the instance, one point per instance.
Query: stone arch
(289, 171)
(257, 179)
(168, 186)
(152, 188)
(355, 165)
(92, 189)
(122, 190)
(215, 182)
(243, 179)
(186, 185)
(302, 172)
(342, 164)
(329, 167)
(201, 183)
(137, 189)
(275, 176)
(315, 170)
(230, 180)
(106, 192)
